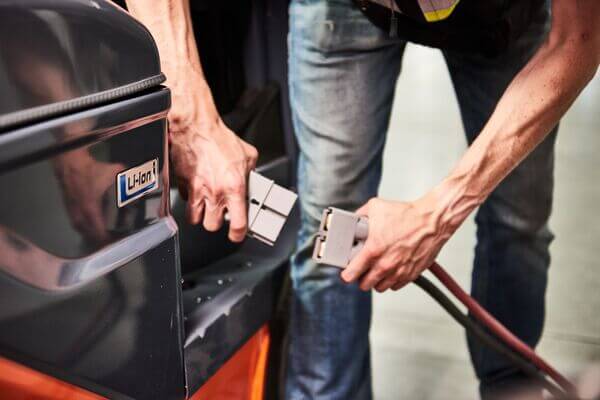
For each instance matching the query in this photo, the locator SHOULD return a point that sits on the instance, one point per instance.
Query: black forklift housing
(127, 300)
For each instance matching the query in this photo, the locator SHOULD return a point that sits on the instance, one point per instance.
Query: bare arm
(211, 163)
(531, 106)
(170, 23)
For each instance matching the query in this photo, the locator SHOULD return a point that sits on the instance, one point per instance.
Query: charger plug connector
(341, 235)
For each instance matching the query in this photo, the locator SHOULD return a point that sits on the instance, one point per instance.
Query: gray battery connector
(269, 205)
(341, 235)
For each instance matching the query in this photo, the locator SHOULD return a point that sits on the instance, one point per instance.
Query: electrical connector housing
(269, 205)
(341, 235)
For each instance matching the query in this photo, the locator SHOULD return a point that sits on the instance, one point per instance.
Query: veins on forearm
(531, 106)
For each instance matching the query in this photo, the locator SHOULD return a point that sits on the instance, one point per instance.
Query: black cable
(488, 339)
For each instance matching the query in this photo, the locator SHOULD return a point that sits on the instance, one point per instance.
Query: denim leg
(512, 253)
(342, 73)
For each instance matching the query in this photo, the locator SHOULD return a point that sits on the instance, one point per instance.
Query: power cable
(487, 339)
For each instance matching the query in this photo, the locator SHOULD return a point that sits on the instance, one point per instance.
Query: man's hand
(404, 239)
(212, 166)
(211, 163)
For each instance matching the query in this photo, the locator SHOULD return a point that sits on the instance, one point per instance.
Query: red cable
(497, 328)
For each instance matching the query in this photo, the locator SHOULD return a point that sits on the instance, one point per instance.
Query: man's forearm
(170, 23)
(531, 106)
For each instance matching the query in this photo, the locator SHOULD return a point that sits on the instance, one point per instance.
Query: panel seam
(73, 105)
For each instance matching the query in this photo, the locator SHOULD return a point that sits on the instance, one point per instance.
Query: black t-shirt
(473, 26)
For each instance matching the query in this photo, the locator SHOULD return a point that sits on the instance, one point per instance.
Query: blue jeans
(342, 73)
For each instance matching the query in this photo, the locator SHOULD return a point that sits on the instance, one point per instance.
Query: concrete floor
(417, 351)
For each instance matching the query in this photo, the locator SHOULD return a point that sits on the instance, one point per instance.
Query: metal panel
(118, 336)
(116, 325)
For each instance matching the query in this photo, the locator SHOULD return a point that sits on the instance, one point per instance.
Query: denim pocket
(331, 26)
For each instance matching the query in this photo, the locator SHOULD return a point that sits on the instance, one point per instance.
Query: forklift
(105, 291)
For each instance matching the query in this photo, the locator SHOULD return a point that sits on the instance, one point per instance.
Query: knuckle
(380, 272)
(175, 120)
(194, 187)
(368, 252)
(375, 248)
(193, 184)
(217, 190)
(252, 152)
(235, 186)
(387, 266)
